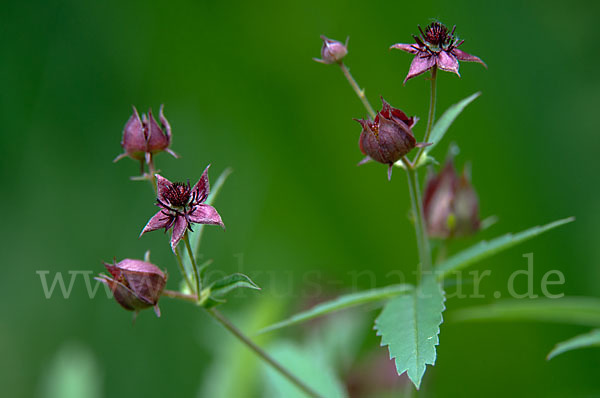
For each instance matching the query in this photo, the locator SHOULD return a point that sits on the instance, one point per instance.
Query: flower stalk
(261, 353)
(431, 115)
(213, 312)
(186, 240)
(188, 282)
(359, 92)
(411, 171)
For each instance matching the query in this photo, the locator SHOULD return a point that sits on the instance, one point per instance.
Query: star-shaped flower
(436, 47)
(181, 206)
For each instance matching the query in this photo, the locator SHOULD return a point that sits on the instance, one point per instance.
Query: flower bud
(143, 136)
(136, 284)
(389, 137)
(450, 204)
(332, 51)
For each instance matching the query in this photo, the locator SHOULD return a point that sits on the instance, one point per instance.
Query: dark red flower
(135, 284)
(143, 137)
(389, 137)
(450, 204)
(332, 51)
(181, 206)
(436, 47)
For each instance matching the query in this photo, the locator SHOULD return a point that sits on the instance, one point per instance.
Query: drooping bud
(143, 136)
(332, 51)
(136, 284)
(450, 204)
(389, 137)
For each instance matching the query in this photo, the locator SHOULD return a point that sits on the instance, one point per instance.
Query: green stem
(420, 228)
(192, 298)
(359, 92)
(193, 260)
(261, 353)
(182, 269)
(431, 116)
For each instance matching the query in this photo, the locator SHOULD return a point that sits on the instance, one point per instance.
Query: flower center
(178, 194)
(437, 34)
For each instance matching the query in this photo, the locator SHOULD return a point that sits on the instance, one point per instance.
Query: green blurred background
(241, 90)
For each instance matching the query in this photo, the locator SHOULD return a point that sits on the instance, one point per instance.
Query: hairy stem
(181, 296)
(359, 92)
(261, 353)
(193, 260)
(431, 116)
(420, 227)
(151, 172)
(182, 269)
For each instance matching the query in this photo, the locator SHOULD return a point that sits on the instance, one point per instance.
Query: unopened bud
(332, 51)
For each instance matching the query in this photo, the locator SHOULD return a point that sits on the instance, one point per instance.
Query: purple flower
(135, 284)
(436, 47)
(181, 206)
(332, 51)
(389, 137)
(450, 204)
(143, 137)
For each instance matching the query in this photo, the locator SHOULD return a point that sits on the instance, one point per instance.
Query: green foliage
(409, 325)
(591, 339)
(73, 373)
(572, 310)
(233, 370)
(485, 249)
(342, 302)
(445, 121)
(312, 369)
(231, 282)
(338, 338)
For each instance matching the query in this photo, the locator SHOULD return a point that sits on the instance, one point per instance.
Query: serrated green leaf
(445, 121)
(231, 282)
(485, 249)
(591, 339)
(342, 302)
(315, 372)
(572, 310)
(410, 325)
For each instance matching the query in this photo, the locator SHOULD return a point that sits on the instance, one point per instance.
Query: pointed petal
(170, 152)
(202, 187)
(390, 168)
(420, 65)
(162, 185)
(113, 270)
(423, 144)
(133, 134)
(157, 140)
(447, 62)
(205, 214)
(158, 221)
(121, 156)
(367, 159)
(131, 265)
(463, 56)
(409, 48)
(165, 123)
(179, 228)
(157, 311)
(412, 121)
(124, 296)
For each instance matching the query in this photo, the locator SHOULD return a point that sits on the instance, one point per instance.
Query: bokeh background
(241, 90)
